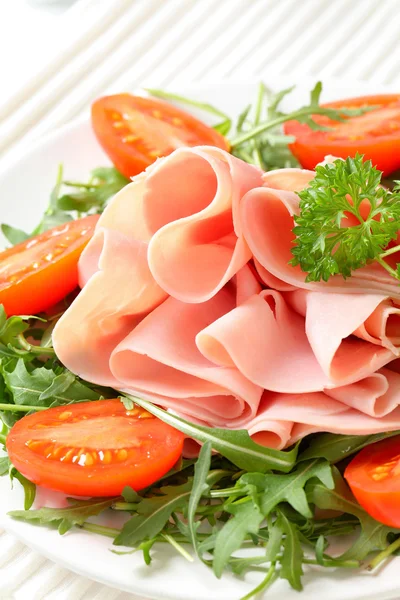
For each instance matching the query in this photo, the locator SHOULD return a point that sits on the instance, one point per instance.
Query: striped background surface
(115, 45)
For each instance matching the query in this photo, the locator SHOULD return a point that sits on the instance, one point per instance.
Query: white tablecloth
(55, 61)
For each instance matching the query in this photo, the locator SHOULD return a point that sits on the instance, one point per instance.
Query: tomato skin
(41, 271)
(374, 479)
(93, 448)
(134, 131)
(376, 134)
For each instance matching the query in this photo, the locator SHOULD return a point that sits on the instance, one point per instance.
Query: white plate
(24, 192)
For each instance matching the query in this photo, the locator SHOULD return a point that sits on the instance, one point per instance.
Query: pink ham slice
(315, 412)
(109, 306)
(283, 353)
(267, 221)
(375, 318)
(160, 358)
(186, 207)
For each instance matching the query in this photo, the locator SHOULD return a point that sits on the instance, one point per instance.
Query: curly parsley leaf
(346, 220)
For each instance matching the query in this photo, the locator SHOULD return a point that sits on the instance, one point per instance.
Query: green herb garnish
(326, 243)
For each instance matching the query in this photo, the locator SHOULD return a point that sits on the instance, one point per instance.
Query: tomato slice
(135, 131)
(374, 478)
(93, 448)
(41, 271)
(376, 134)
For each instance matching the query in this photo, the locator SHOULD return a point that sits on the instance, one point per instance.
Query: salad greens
(256, 137)
(88, 199)
(247, 508)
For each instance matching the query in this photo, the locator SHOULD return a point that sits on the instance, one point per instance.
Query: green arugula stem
(266, 582)
(379, 558)
(34, 349)
(125, 506)
(347, 564)
(225, 493)
(86, 186)
(3, 439)
(178, 547)
(248, 135)
(21, 407)
(257, 115)
(100, 529)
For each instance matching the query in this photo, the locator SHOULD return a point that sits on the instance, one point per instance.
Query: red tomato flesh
(376, 134)
(135, 131)
(374, 479)
(41, 271)
(93, 448)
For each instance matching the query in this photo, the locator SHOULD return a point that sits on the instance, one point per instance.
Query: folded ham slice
(186, 207)
(160, 357)
(282, 352)
(283, 419)
(109, 306)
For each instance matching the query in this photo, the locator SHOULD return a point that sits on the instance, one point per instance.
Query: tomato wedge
(374, 478)
(376, 134)
(135, 131)
(93, 448)
(38, 273)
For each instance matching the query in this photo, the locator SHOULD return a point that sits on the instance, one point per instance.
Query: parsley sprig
(327, 243)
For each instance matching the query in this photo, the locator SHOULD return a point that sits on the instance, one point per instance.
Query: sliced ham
(109, 306)
(186, 207)
(172, 308)
(330, 320)
(314, 412)
(160, 357)
(279, 343)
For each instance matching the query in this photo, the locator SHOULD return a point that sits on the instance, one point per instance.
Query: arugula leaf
(67, 517)
(336, 447)
(105, 182)
(13, 234)
(373, 535)
(200, 487)
(153, 514)
(236, 445)
(29, 487)
(37, 388)
(5, 465)
(205, 106)
(90, 198)
(324, 246)
(247, 518)
(292, 556)
(289, 488)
